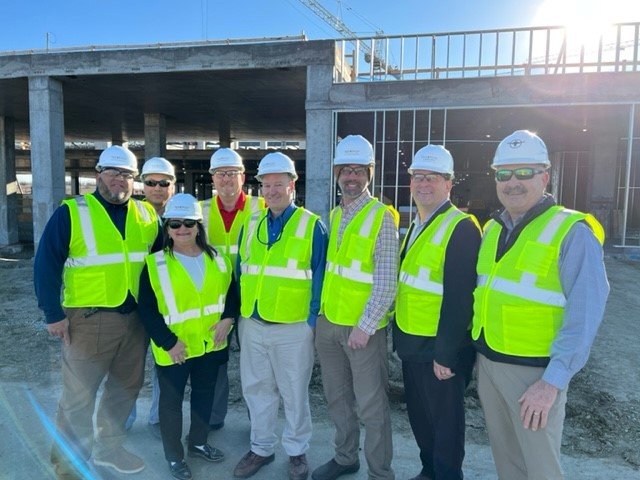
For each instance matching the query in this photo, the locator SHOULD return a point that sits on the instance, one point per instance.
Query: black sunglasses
(176, 224)
(524, 173)
(153, 183)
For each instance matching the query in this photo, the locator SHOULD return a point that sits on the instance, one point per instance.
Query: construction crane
(339, 26)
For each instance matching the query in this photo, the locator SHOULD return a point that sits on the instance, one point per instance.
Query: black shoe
(216, 426)
(206, 451)
(180, 470)
(332, 470)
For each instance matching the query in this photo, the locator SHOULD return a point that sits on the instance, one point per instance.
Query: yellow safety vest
(519, 302)
(102, 268)
(348, 278)
(188, 312)
(277, 278)
(420, 281)
(223, 241)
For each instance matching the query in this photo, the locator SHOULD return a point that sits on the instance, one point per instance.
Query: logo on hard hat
(515, 143)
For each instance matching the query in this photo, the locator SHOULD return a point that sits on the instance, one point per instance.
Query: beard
(112, 197)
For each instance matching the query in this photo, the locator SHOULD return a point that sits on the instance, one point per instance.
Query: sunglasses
(524, 173)
(176, 224)
(153, 183)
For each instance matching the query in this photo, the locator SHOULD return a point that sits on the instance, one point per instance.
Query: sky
(30, 24)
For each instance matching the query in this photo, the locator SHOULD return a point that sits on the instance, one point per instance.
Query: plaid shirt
(385, 273)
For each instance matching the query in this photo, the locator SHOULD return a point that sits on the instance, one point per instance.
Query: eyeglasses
(153, 183)
(226, 174)
(176, 224)
(523, 173)
(357, 171)
(115, 172)
(427, 177)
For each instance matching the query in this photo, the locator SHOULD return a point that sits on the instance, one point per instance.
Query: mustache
(517, 189)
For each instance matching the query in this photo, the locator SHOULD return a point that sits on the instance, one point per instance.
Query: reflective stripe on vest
(223, 241)
(278, 278)
(174, 316)
(348, 280)
(103, 267)
(519, 302)
(420, 294)
(192, 325)
(423, 281)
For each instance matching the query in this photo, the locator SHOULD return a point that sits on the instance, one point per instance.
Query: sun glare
(587, 20)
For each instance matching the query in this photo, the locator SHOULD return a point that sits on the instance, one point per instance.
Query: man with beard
(541, 293)
(224, 214)
(95, 246)
(351, 337)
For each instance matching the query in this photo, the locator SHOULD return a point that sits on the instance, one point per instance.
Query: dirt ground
(603, 409)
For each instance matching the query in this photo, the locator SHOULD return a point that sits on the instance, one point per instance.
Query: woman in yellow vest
(187, 304)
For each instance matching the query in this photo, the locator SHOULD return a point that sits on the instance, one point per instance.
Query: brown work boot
(120, 460)
(298, 468)
(250, 464)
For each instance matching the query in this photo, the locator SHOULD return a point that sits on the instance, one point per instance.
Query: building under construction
(464, 90)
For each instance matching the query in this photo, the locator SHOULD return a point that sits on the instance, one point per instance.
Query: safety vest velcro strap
(423, 284)
(94, 260)
(233, 249)
(528, 291)
(350, 273)
(136, 256)
(282, 272)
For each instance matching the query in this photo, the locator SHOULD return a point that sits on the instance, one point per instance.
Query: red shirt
(229, 216)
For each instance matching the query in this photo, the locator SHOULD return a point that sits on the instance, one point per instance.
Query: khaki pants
(519, 454)
(105, 344)
(276, 361)
(355, 385)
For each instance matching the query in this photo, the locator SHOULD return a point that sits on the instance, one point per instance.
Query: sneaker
(298, 468)
(120, 460)
(332, 470)
(180, 470)
(206, 451)
(250, 464)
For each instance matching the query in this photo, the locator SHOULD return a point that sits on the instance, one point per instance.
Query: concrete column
(319, 140)
(46, 120)
(224, 132)
(155, 135)
(8, 183)
(605, 137)
(188, 183)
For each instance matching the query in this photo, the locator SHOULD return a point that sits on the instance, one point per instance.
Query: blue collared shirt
(275, 227)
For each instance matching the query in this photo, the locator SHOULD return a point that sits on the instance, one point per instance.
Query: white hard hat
(354, 149)
(435, 158)
(158, 165)
(520, 148)
(225, 157)
(183, 205)
(276, 162)
(118, 157)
